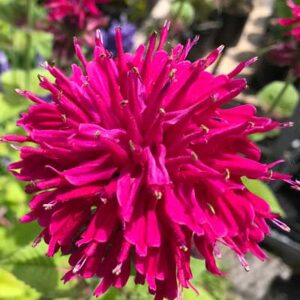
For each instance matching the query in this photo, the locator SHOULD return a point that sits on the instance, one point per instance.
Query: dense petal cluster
(294, 21)
(136, 166)
(78, 10)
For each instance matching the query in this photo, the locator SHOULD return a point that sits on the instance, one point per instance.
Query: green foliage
(18, 78)
(288, 101)
(22, 44)
(13, 289)
(183, 11)
(262, 190)
(257, 137)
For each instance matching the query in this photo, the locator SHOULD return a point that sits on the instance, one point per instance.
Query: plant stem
(175, 18)
(30, 6)
(276, 101)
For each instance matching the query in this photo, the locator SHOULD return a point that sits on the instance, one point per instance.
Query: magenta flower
(78, 10)
(286, 54)
(69, 18)
(293, 21)
(135, 166)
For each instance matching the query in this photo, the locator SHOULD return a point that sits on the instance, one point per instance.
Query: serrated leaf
(8, 243)
(12, 288)
(288, 100)
(34, 268)
(41, 272)
(262, 190)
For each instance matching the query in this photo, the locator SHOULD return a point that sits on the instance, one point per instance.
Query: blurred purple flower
(4, 64)
(128, 31)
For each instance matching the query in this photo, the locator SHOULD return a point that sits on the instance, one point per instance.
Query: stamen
(211, 208)
(99, 35)
(117, 270)
(162, 111)
(214, 98)
(131, 145)
(194, 155)
(281, 225)
(80, 264)
(103, 199)
(172, 73)
(206, 129)
(217, 253)
(135, 70)
(251, 124)
(124, 102)
(220, 49)
(48, 206)
(15, 147)
(19, 91)
(295, 187)
(64, 118)
(270, 174)
(227, 176)
(184, 248)
(41, 78)
(97, 134)
(244, 263)
(44, 65)
(36, 241)
(286, 124)
(158, 195)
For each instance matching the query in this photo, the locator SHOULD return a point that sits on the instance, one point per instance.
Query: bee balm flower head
(78, 10)
(293, 22)
(135, 165)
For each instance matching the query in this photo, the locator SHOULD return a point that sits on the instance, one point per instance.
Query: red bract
(293, 21)
(78, 9)
(136, 165)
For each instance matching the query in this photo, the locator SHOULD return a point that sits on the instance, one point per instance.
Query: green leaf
(260, 189)
(42, 273)
(288, 101)
(7, 111)
(22, 80)
(13, 289)
(42, 43)
(183, 11)
(34, 268)
(203, 295)
(257, 137)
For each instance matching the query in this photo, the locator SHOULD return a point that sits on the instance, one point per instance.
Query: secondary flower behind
(294, 21)
(78, 10)
(287, 53)
(69, 18)
(136, 165)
